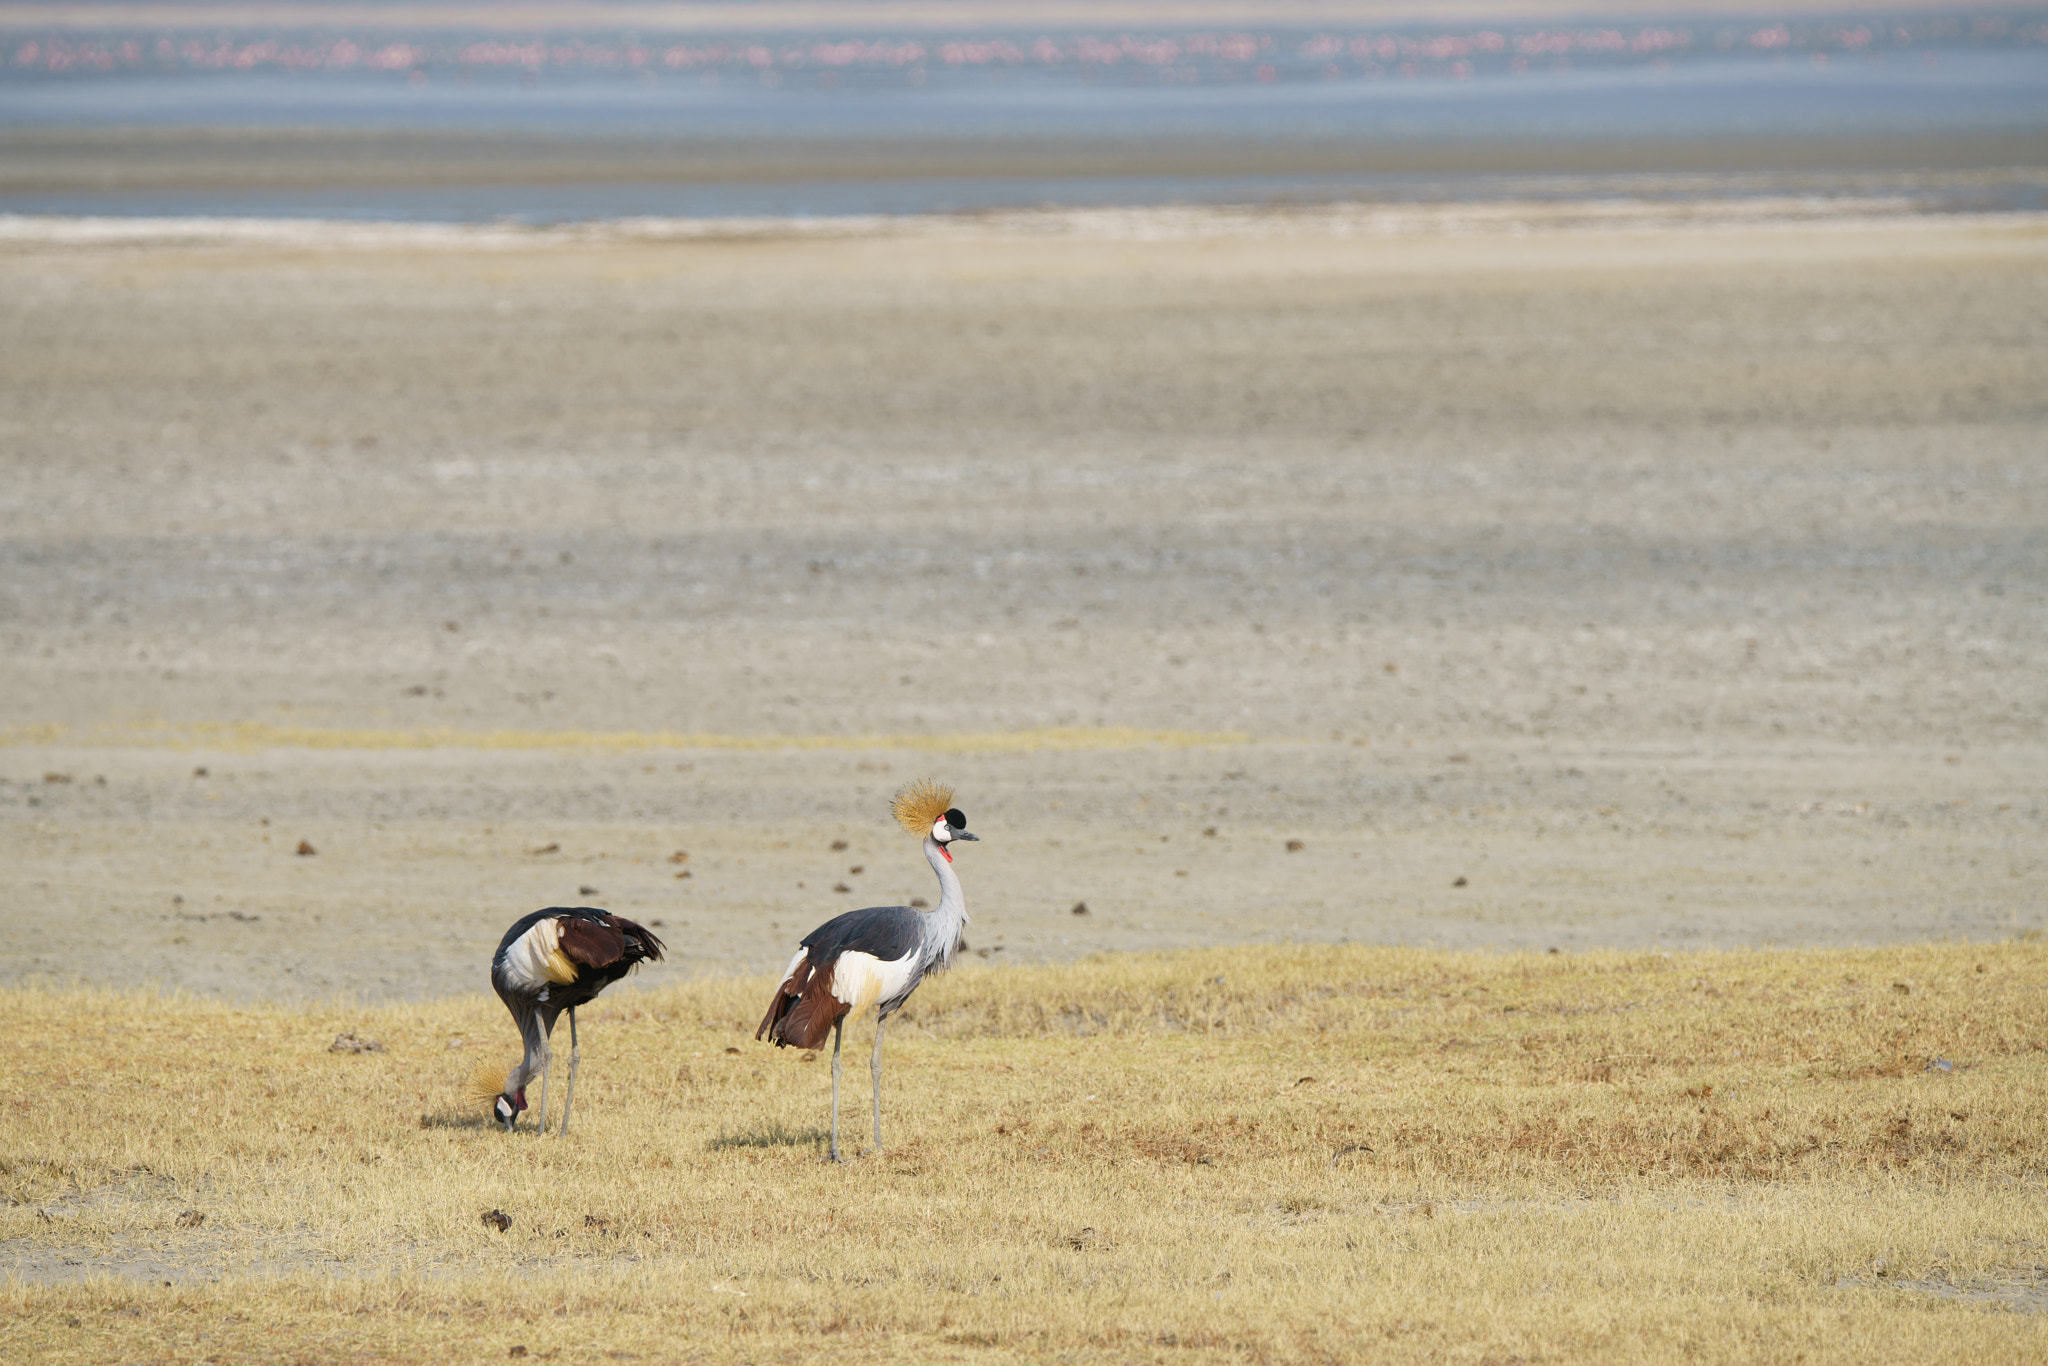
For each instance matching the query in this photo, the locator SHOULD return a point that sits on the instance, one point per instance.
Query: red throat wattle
(520, 1099)
(945, 853)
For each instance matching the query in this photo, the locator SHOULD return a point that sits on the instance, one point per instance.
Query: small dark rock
(918, 903)
(1080, 908)
(1457, 882)
(841, 887)
(679, 857)
(857, 870)
(1295, 846)
(546, 849)
(306, 849)
(838, 846)
(586, 891)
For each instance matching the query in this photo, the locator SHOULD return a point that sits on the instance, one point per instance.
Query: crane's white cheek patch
(861, 980)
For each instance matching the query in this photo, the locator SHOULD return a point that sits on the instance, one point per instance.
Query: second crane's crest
(920, 806)
(487, 1083)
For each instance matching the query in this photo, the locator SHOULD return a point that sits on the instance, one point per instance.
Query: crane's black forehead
(955, 819)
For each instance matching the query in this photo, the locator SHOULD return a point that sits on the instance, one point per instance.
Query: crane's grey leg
(836, 1027)
(547, 1065)
(569, 1096)
(875, 1070)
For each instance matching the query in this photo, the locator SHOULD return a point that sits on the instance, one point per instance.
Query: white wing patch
(861, 980)
(535, 958)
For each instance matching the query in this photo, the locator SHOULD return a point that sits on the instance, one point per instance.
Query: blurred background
(1488, 473)
(541, 113)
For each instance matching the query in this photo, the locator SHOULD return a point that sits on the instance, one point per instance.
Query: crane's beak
(963, 835)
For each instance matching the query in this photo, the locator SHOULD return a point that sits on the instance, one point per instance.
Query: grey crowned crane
(548, 962)
(874, 958)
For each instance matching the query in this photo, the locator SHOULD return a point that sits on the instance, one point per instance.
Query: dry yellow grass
(1271, 1154)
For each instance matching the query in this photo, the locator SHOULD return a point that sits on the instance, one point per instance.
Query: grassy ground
(1284, 1154)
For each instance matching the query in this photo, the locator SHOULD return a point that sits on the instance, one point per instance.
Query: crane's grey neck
(942, 926)
(533, 1031)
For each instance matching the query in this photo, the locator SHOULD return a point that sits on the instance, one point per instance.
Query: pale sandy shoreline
(1761, 213)
(1672, 584)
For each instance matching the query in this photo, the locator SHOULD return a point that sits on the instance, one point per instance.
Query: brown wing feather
(804, 1009)
(593, 943)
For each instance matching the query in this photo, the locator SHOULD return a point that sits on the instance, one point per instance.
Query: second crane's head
(494, 1085)
(926, 810)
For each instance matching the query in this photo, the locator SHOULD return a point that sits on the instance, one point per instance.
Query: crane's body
(873, 959)
(549, 962)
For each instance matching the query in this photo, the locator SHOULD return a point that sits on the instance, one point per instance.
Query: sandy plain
(1556, 577)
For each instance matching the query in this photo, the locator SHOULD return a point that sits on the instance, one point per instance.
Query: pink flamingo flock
(1183, 57)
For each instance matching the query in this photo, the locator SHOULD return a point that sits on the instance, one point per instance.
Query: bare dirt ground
(1665, 583)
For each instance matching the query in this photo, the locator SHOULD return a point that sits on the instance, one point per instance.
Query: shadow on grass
(777, 1135)
(456, 1119)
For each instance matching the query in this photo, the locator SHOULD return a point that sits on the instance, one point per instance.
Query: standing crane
(874, 958)
(548, 962)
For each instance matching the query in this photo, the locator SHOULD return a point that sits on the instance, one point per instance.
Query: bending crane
(548, 962)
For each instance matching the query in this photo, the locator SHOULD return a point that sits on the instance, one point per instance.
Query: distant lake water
(1364, 103)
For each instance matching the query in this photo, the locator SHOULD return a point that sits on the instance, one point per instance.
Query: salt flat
(1671, 582)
